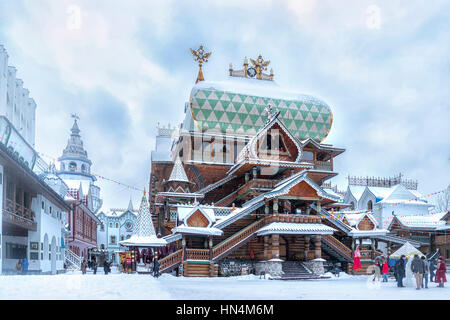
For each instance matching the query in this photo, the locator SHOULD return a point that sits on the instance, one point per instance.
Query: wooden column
(318, 246)
(266, 248)
(275, 246)
(275, 206)
(307, 239)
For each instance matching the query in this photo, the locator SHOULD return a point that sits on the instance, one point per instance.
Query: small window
(117, 225)
(110, 224)
(83, 168)
(370, 205)
(43, 205)
(72, 166)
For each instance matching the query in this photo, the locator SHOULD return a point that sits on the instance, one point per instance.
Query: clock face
(129, 225)
(251, 72)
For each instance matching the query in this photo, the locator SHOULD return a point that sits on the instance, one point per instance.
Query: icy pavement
(135, 286)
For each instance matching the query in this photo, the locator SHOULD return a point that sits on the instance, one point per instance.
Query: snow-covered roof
(75, 184)
(357, 191)
(254, 87)
(211, 231)
(354, 218)
(331, 191)
(379, 192)
(295, 228)
(364, 233)
(236, 105)
(408, 250)
(137, 241)
(185, 210)
(432, 221)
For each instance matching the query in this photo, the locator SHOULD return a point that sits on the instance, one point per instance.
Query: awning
(295, 228)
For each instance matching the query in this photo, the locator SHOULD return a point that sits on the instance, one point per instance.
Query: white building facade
(15, 101)
(116, 225)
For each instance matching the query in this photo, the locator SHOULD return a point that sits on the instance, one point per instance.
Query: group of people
(92, 264)
(22, 266)
(423, 271)
(381, 268)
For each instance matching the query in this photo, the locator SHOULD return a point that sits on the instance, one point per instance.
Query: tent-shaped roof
(144, 233)
(408, 250)
(178, 173)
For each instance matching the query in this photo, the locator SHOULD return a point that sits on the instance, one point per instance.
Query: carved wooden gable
(366, 224)
(197, 219)
(276, 143)
(302, 190)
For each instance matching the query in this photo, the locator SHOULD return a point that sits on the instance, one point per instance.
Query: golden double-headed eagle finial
(201, 57)
(260, 65)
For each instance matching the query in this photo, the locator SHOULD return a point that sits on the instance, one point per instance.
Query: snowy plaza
(116, 286)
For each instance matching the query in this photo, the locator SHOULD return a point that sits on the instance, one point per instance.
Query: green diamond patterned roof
(237, 105)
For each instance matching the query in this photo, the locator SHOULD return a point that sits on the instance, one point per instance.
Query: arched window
(83, 168)
(63, 167)
(352, 205)
(72, 166)
(117, 225)
(369, 205)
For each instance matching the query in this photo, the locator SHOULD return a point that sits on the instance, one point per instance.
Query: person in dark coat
(106, 267)
(156, 269)
(426, 265)
(440, 272)
(418, 269)
(83, 267)
(432, 269)
(94, 266)
(400, 271)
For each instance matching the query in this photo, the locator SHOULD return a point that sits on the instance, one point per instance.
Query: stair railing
(338, 246)
(243, 234)
(171, 260)
(72, 259)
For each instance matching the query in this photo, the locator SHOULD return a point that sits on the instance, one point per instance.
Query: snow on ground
(134, 286)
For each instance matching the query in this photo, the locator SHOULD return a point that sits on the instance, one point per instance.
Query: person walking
(19, 266)
(156, 268)
(426, 265)
(440, 272)
(83, 267)
(377, 268)
(94, 266)
(25, 266)
(400, 271)
(106, 267)
(418, 269)
(432, 269)
(385, 270)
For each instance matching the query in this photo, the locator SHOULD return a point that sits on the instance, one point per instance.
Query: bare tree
(443, 200)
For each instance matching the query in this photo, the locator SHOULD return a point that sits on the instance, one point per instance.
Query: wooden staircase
(336, 248)
(295, 270)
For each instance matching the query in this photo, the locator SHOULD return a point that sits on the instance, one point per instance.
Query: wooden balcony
(18, 215)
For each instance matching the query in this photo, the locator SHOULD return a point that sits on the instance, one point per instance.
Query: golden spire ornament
(201, 57)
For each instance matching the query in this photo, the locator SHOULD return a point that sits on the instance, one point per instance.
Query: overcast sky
(124, 66)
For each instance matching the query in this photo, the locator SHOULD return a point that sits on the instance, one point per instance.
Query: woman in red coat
(440, 272)
(385, 270)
